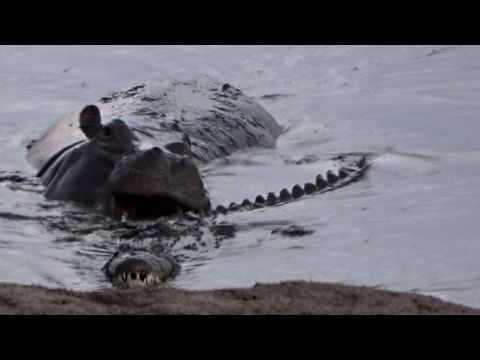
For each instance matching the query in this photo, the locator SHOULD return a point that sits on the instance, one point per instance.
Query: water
(410, 225)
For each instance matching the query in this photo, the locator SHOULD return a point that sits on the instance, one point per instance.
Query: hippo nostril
(157, 150)
(107, 131)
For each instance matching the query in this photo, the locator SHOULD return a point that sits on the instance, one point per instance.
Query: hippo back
(218, 118)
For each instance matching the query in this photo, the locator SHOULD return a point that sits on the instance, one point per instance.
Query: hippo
(109, 172)
(158, 133)
(136, 153)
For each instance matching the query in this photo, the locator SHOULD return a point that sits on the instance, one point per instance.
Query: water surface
(410, 225)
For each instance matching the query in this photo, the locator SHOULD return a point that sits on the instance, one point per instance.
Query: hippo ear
(180, 148)
(90, 116)
(90, 121)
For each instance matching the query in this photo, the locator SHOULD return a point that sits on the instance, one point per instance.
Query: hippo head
(109, 172)
(152, 183)
(80, 172)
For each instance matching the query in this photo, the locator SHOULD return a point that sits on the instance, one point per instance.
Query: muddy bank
(296, 297)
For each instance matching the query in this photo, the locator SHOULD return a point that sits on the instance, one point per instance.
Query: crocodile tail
(331, 181)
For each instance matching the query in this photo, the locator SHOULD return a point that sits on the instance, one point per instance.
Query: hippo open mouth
(152, 183)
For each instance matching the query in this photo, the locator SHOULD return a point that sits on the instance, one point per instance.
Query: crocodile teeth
(136, 279)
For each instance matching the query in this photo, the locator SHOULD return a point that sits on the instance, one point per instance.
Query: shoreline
(289, 297)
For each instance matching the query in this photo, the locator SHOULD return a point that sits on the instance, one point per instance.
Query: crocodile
(134, 265)
(144, 161)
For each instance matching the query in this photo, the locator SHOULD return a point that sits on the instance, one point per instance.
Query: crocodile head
(139, 265)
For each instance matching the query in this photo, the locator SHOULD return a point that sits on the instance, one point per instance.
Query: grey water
(410, 225)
